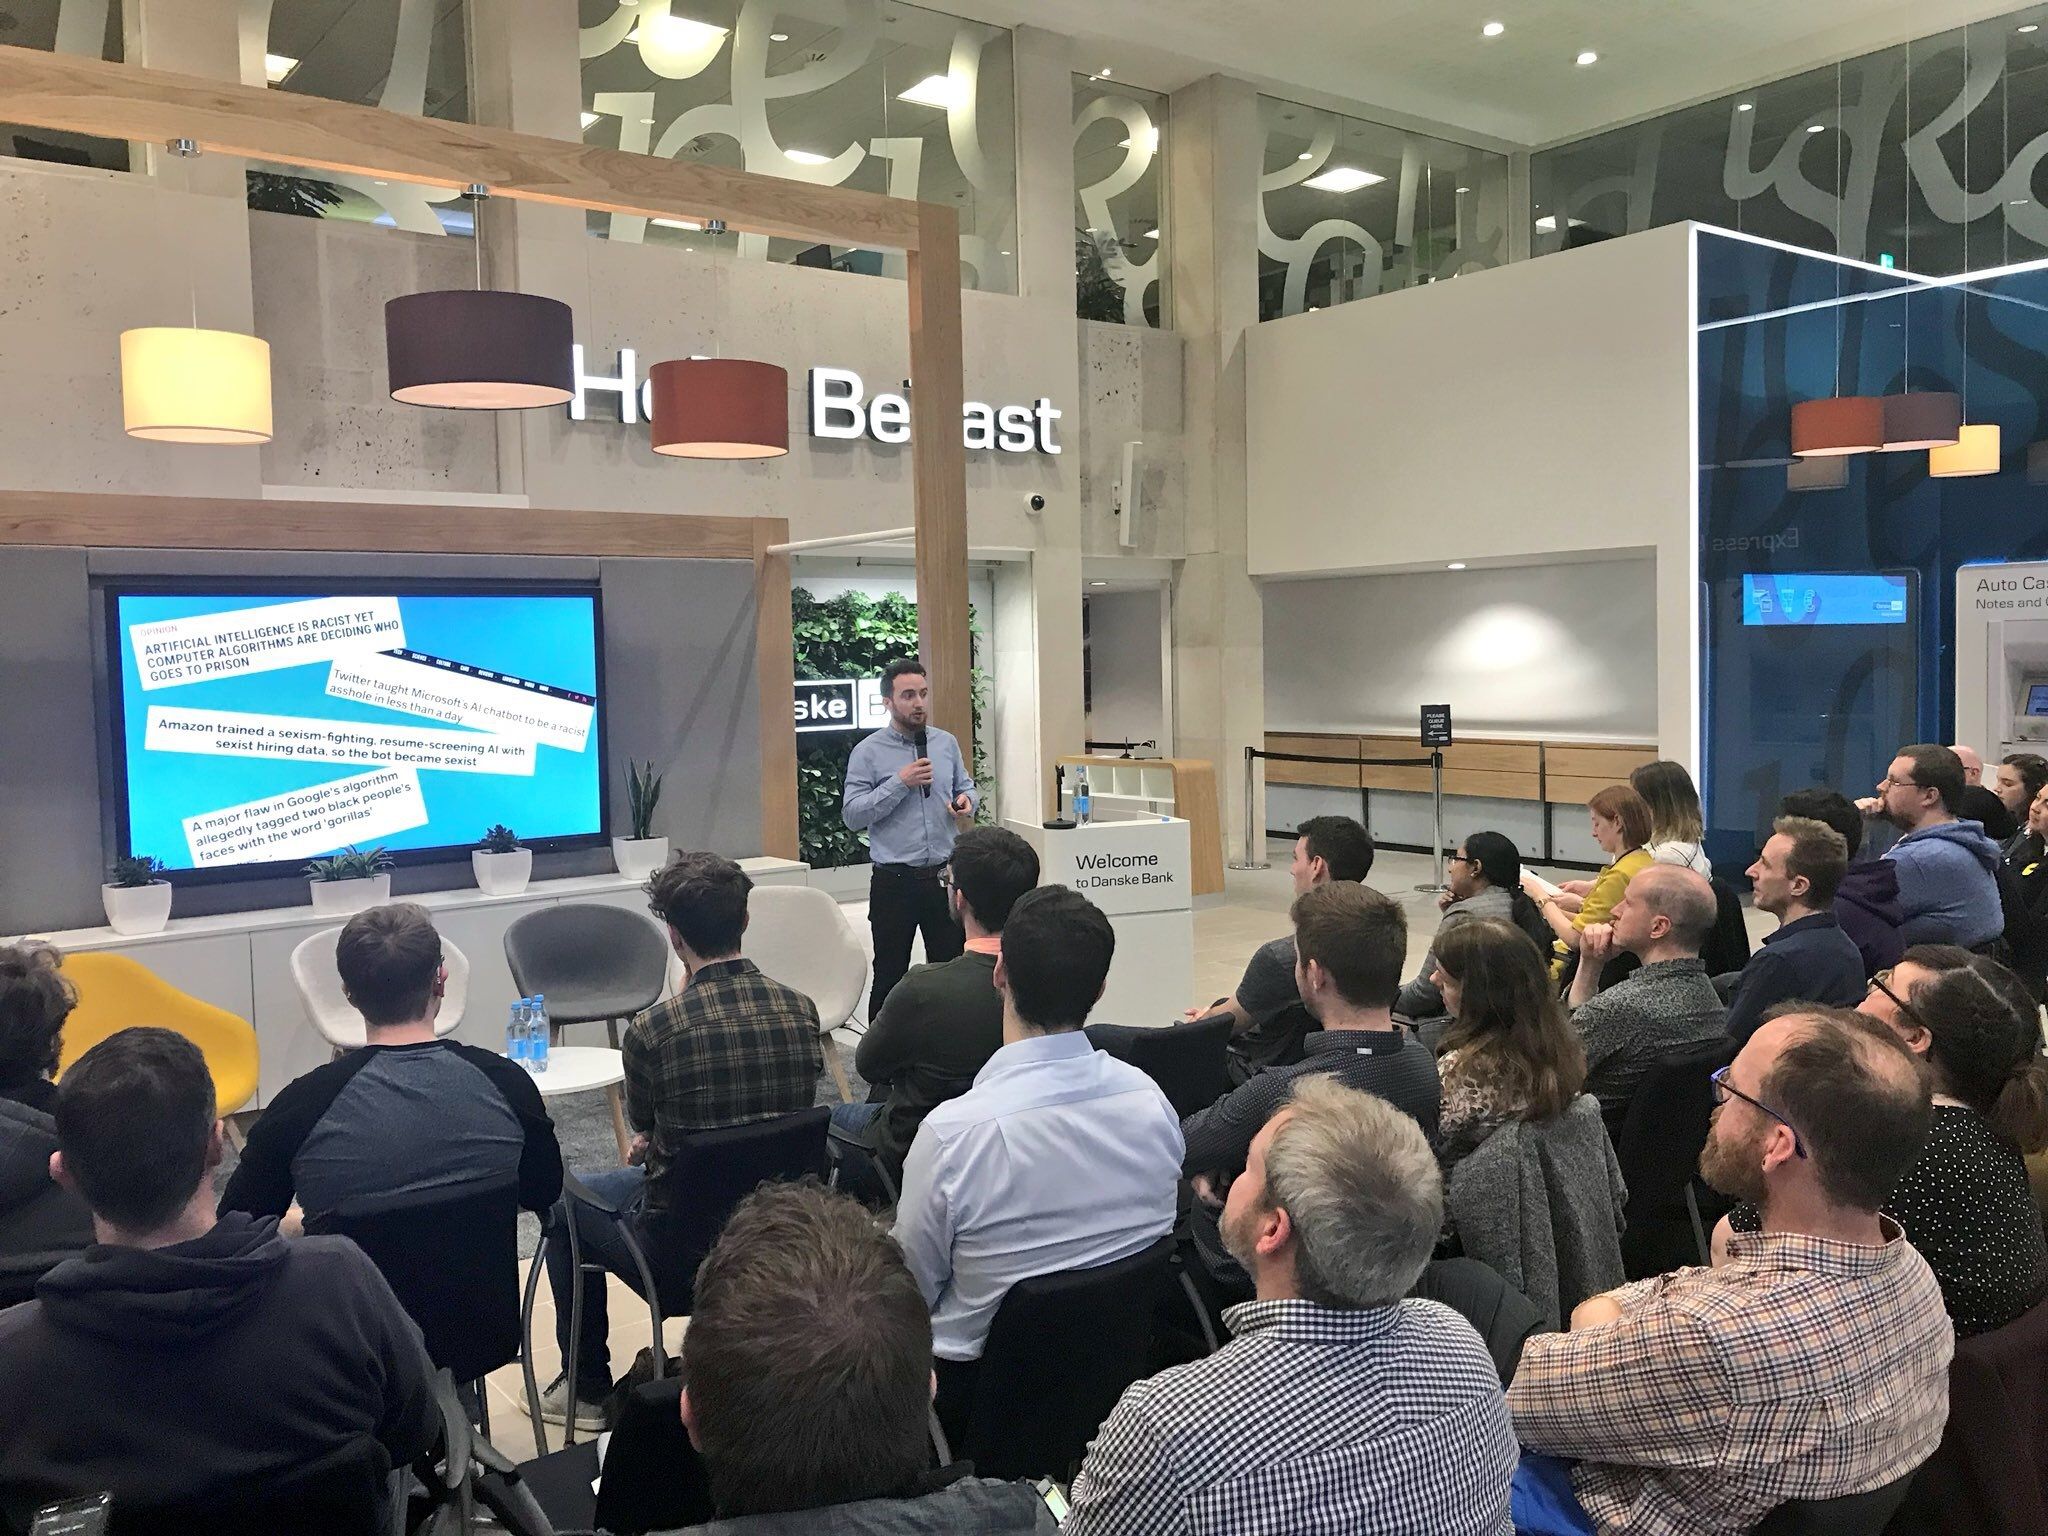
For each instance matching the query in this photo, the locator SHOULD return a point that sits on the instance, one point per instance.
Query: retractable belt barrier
(1434, 762)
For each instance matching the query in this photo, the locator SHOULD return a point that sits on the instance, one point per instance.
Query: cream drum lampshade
(183, 385)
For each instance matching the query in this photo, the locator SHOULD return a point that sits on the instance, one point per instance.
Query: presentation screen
(258, 727)
(1823, 598)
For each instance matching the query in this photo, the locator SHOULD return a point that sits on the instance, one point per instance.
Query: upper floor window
(1120, 262)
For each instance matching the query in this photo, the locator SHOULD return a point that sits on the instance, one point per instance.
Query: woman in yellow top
(1621, 826)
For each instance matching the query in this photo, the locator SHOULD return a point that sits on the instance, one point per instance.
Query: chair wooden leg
(611, 1030)
(232, 1130)
(831, 1048)
(618, 1121)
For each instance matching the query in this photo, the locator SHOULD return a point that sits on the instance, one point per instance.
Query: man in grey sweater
(1663, 920)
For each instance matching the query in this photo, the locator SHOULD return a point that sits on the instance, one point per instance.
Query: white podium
(1137, 872)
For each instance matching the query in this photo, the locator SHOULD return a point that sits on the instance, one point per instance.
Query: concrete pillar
(1219, 683)
(1045, 166)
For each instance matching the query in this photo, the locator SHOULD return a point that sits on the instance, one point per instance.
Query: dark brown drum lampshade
(719, 408)
(479, 349)
(1842, 424)
(1925, 419)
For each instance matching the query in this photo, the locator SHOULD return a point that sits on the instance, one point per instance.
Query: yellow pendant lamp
(181, 384)
(1975, 452)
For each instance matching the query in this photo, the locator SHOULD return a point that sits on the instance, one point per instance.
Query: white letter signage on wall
(840, 704)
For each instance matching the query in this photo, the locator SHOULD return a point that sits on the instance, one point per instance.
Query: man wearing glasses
(1948, 885)
(1812, 1365)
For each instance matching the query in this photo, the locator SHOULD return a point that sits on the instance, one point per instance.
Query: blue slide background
(544, 637)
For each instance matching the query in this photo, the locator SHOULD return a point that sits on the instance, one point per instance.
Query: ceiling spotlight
(648, 121)
(1493, 29)
(2030, 27)
(1343, 178)
(677, 223)
(1104, 75)
(1816, 127)
(1152, 233)
(778, 37)
(1464, 189)
(1588, 57)
(1745, 106)
(1098, 583)
(276, 66)
(1306, 154)
(935, 91)
(806, 157)
(1455, 565)
(588, 119)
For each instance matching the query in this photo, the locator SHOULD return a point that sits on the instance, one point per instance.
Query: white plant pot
(137, 908)
(502, 874)
(638, 857)
(344, 898)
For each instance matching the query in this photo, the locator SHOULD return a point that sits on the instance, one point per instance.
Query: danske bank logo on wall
(840, 704)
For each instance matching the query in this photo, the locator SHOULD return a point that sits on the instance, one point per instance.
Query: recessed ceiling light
(778, 37)
(648, 121)
(935, 91)
(1548, 224)
(1464, 189)
(2030, 27)
(1098, 583)
(1493, 29)
(588, 119)
(1816, 127)
(1306, 154)
(1455, 565)
(1343, 178)
(1152, 233)
(1588, 57)
(1006, 253)
(678, 224)
(2018, 202)
(276, 66)
(679, 32)
(806, 157)
(1104, 75)
(1745, 106)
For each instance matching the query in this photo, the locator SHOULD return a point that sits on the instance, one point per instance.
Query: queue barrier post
(1251, 757)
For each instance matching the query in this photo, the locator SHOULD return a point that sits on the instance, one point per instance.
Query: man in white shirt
(1059, 1157)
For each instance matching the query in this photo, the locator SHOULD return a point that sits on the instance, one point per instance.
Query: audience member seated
(1980, 803)
(1808, 956)
(405, 1118)
(1621, 826)
(2026, 856)
(1267, 1027)
(1511, 1052)
(1350, 941)
(941, 1023)
(1867, 901)
(1667, 1002)
(41, 1223)
(1814, 1363)
(1946, 887)
(1481, 879)
(1677, 825)
(808, 1363)
(1965, 1203)
(1059, 1157)
(2020, 780)
(188, 1359)
(733, 1046)
(1337, 1405)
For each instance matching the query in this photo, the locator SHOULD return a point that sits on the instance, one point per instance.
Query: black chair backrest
(1060, 1352)
(1852, 1514)
(1659, 1151)
(454, 1266)
(711, 1172)
(654, 1480)
(1501, 1315)
(1187, 1060)
(1727, 947)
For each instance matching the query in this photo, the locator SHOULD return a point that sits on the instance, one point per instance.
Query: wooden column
(939, 461)
(775, 675)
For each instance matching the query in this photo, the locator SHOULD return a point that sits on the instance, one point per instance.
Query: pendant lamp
(479, 349)
(719, 408)
(2037, 463)
(1975, 452)
(1839, 425)
(1924, 419)
(181, 384)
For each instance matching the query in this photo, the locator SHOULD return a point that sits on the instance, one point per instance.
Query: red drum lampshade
(1841, 424)
(479, 349)
(719, 408)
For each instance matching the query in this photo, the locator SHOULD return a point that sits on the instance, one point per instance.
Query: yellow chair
(117, 993)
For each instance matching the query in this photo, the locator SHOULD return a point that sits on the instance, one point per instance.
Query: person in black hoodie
(185, 1359)
(1867, 902)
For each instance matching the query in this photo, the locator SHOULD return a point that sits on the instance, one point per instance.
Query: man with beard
(1337, 1406)
(1813, 1364)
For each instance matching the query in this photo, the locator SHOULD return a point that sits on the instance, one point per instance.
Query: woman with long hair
(1621, 825)
(1510, 1052)
(1676, 823)
(35, 1000)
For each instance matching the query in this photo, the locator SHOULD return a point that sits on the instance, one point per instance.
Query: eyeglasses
(1464, 858)
(946, 878)
(1882, 982)
(1725, 1090)
(1888, 782)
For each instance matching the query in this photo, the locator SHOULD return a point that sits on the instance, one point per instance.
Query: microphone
(921, 752)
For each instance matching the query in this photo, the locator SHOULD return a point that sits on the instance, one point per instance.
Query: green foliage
(308, 198)
(1097, 295)
(854, 635)
(500, 839)
(352, 863)
(137, 869)
(643, 793)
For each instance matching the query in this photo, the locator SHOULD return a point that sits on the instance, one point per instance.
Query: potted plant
(502, 866)
(137, 899)
(346, 882)
(643, 853)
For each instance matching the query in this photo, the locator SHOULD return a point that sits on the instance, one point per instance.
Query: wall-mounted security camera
(1035, 502)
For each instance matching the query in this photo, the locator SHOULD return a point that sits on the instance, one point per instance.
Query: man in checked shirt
(1813, 1364)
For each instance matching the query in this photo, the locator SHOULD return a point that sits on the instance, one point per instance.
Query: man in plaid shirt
(731, 1047)
(1813, 1364)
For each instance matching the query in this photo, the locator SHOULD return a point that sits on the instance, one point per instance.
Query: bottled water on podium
(537, 1051)
(517, 1033)
(1084, 802)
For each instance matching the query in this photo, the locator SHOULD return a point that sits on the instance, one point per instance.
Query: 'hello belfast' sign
(839, 407)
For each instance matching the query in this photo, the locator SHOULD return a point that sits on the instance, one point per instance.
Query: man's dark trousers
(903, 900)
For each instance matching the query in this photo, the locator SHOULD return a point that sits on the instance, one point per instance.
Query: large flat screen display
(264, 726)
(1815, 597)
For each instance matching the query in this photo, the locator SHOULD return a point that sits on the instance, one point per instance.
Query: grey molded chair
(589, 961)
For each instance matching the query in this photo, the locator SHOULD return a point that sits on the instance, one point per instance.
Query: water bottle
(541, 1032)
(1083, 801)
(516, 1033)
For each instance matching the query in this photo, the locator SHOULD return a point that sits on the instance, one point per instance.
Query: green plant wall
(855, 635)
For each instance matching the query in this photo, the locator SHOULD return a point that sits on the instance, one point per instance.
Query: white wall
(1538, 409)
(1515, 651)
(1127, 693)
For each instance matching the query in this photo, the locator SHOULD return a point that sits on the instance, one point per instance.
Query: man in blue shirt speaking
(905, 784)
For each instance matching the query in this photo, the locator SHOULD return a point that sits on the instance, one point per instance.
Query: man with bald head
(1813, 1364)
(1669, 1001)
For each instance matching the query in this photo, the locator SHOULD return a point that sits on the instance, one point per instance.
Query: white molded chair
(319, 984)
(797, 935)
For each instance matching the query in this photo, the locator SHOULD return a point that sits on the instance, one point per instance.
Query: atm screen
(1773, 598)
(2037, 699)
